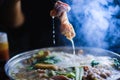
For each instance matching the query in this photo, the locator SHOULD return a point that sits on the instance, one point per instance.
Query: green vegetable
(67, 74)
(30, 68)
(79, 73)
(49, 60)
(116, 63)
(41, 52)
(70, 75)
(51, 73)
(94, 63)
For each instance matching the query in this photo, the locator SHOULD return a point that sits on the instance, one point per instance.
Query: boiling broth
(20, 70)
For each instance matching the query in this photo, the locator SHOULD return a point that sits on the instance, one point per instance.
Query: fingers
(59, 8)
(62, 6)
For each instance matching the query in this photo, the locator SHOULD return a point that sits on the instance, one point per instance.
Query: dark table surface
(3, 75)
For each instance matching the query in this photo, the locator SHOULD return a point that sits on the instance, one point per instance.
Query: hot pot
(86, 50)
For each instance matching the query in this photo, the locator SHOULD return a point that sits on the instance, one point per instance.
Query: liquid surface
(21, 71)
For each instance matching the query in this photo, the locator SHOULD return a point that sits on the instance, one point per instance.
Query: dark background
(36, 32)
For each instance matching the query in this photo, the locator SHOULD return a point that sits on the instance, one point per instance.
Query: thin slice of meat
(60, 10)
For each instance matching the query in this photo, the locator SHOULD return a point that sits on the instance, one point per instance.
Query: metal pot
(86, 50)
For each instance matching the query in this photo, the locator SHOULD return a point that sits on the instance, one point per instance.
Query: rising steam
(95, 22)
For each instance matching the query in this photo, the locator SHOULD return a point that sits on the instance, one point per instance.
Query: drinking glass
(4, 54)
(4, 47)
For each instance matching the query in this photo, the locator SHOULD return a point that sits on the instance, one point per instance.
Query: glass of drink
(4, 47)
(4, 53)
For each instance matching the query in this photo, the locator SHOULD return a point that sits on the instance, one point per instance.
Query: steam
(95, 22)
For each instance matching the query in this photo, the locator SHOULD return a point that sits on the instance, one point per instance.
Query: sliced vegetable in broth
(54, 65)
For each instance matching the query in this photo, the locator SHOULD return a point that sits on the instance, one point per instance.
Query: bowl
(11, 63)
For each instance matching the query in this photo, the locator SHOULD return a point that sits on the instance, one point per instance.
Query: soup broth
(58, 65)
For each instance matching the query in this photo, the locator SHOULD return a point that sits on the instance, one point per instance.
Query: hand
(59, 8)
